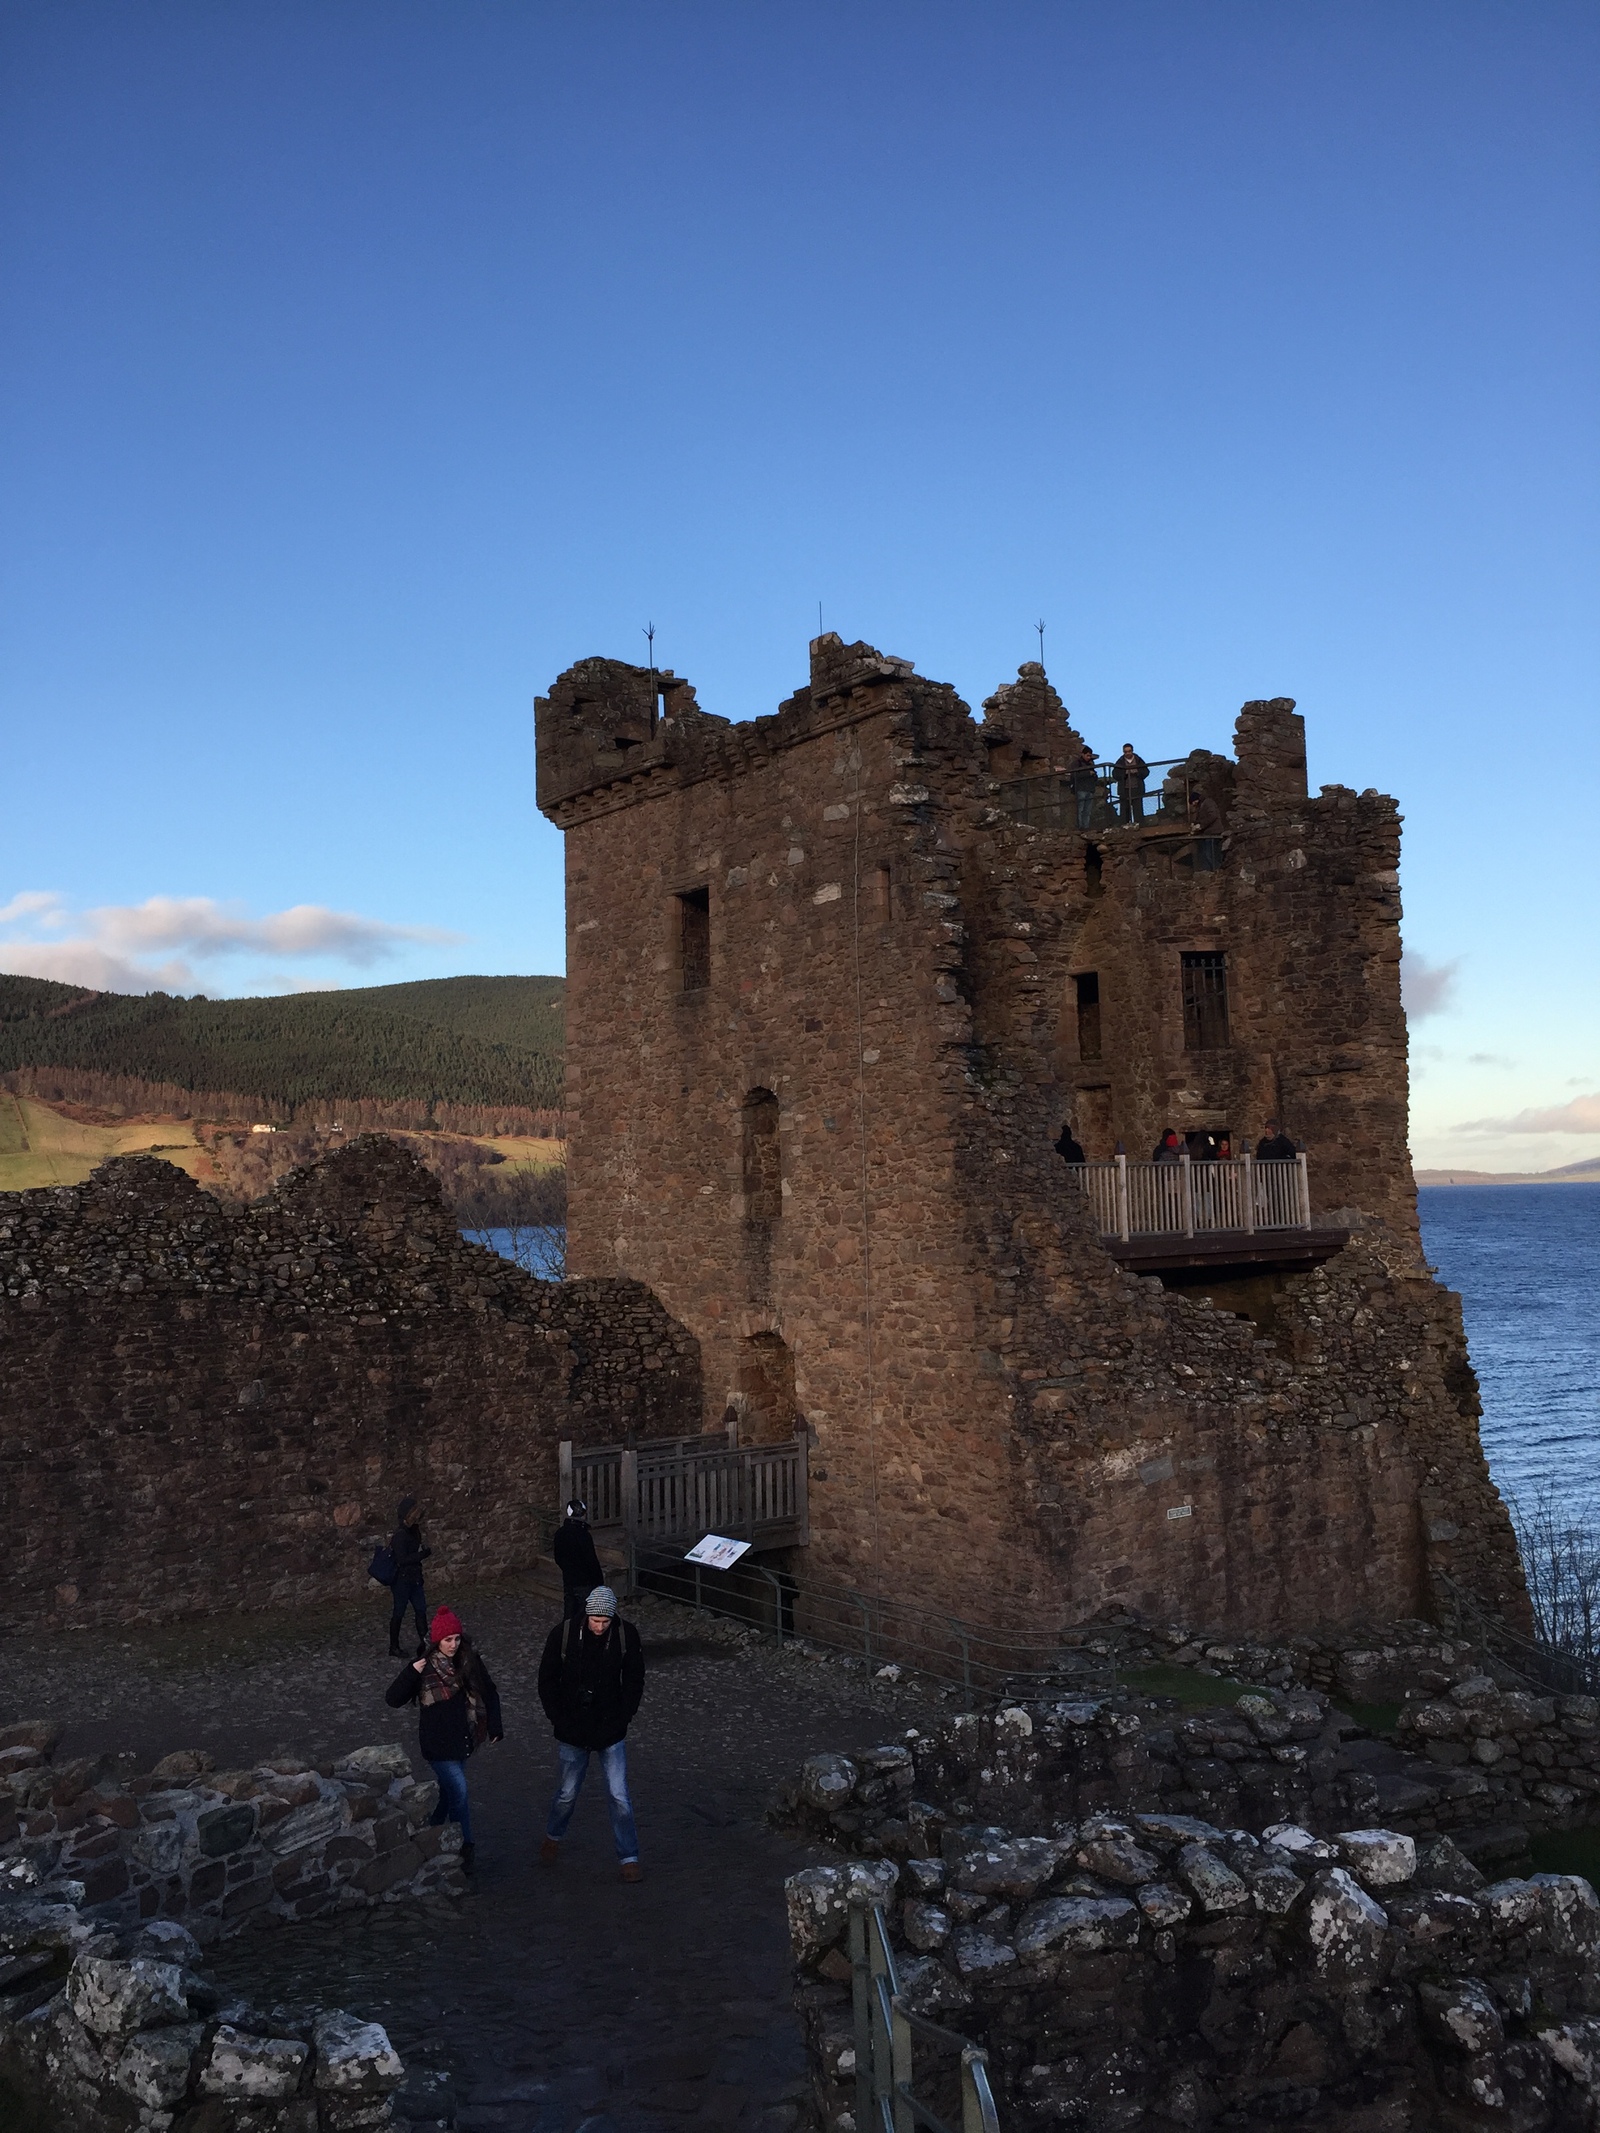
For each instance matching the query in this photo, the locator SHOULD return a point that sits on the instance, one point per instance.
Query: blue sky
(362, 365)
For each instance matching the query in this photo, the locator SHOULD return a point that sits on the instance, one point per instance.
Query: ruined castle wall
(999, 1413)
(207, 1407)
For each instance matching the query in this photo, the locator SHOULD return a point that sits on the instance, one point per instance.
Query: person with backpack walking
(460, 1711)
(409, 1554)
(576, 1559)
(591, 1678)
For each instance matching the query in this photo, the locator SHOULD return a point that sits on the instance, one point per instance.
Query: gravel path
(546, 2001)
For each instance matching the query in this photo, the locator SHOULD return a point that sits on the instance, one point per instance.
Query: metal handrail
(1059, 801)
(884, 2028)
(984, 1660)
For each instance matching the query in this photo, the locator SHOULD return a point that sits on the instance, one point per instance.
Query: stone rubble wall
(1130, 1965)
(218, 1850)
(209, 1408)
(102, 2033)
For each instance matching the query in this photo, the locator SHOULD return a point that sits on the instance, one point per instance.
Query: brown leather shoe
(549, 1851)
(633, 1871)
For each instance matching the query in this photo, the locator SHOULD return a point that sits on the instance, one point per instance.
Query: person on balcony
(591, 1678)
(1085, 786)
(1275, 1145)
(576, 1559)
(1169, 1148)
(1131, 772)
(1067, 1147)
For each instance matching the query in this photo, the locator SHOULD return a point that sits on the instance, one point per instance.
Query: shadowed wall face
(209, 1408)
(916, 948)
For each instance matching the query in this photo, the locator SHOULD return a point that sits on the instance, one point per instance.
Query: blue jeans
(453, 1803)
(404, 1596)
(614, 1767)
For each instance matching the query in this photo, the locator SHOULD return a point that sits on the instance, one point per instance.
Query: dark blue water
(1526, 1261)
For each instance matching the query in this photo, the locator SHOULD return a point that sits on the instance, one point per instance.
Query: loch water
(1525, 1260)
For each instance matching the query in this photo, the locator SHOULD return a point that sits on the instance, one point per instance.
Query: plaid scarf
(441, 1678)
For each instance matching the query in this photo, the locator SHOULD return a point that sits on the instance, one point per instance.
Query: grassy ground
(40, 1147)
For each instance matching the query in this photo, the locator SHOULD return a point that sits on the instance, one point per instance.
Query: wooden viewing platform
(673, 1491)
(1240, 1212)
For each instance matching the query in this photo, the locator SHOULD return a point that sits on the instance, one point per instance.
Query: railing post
(1249, 1163)
(977, 2098)
(900, 2066)
(1122, 1198)
(1303, 1182)
(630, 1491)
(564, 1483)
(1186, 1188)
(861, 2008)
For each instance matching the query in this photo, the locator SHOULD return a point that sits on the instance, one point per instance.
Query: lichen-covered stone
(1379, 1858)
(827, 1781)
(112, 1999)
(155, 2065)
(354, 2058)
(1461, 2013)
(249, 2069)
(1216, 1886)
(1080, 1923)
(1349, 1933)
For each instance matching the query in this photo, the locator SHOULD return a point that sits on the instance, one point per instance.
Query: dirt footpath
(546, 2001)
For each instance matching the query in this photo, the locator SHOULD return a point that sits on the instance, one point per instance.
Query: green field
(40, 1147)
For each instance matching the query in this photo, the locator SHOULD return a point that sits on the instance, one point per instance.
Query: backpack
(382, 1566)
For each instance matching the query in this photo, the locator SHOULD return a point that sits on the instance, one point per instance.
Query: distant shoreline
(1577, 1174)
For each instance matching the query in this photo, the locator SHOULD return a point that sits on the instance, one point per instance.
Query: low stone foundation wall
(102, 2031)
(1129, 1961)
(217, 1850)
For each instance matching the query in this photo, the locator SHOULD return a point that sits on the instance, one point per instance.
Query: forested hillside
(455, 1050)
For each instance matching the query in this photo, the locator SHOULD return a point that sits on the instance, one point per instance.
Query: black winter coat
(1279, 1149)
(575, 1556)
(409, 1554)
(1067, 1148)
(590, 1686)
(443, 1728)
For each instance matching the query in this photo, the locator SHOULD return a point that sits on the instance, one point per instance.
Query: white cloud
(157, 945)
(1581, 1115)
(1426, 988)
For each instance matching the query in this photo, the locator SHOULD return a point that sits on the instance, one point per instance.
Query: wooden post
(1122, 1198)
(1249, 1163)
(564, 1457)
(1186, 1187)
(630, 1493)
(1304, 1194)
(733, 1429)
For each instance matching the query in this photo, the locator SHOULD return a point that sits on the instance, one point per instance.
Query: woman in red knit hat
(460, 1711)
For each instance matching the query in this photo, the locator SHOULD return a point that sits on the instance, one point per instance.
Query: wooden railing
(681, 1488)
(1189, 1199)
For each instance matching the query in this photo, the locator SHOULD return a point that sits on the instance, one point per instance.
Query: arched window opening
(763, 1175)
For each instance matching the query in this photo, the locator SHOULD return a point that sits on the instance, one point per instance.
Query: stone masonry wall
(822, 1032)
(1129, 1955)
(205, 1408)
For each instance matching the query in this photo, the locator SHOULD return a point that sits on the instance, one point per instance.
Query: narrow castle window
(1093, 871)
(1205, 1002)
(883, 893)
(1088, 991)
(694, 936)
(763, 1180)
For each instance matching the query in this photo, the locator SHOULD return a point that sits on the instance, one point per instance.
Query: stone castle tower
(835, 979)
